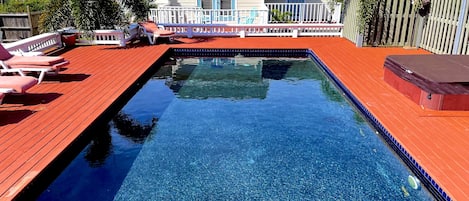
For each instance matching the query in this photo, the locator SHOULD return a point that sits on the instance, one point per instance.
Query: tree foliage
(22, 6)
(138, 8)
(90, 15)
(365, 13)
(58, 15)
(281, 17)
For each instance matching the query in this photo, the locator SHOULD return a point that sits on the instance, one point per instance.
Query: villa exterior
(353, 64)
(212, 4)
(226, 4)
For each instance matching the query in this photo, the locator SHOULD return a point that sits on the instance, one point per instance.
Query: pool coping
(413, 165)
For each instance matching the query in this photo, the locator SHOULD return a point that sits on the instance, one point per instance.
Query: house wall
(240, 4)
(297, 1)
(183, 3)
(249, 4)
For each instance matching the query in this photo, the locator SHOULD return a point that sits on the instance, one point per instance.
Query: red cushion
(4, 54)
(19, 83)
(34, 60)
(162, 32)
(150, 27)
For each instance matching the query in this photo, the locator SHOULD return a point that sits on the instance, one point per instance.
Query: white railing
(196, 15)
(38, 43)
(102, 37)
(51, 41)
(305, 12)
(244, 30)
(266, 13)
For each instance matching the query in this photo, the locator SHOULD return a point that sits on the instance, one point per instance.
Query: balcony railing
(196, 15)
(306, 12)
(245, 30)
(266, 13)
(305, 19)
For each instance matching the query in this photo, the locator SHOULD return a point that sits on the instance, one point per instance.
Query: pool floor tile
(36, 127)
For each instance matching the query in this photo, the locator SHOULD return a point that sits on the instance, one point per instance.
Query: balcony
(272, 19)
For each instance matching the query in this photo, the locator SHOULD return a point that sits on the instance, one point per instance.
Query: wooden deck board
(438, 140)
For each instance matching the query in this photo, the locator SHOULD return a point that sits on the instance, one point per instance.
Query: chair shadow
(60, 51)
(30, 99)
(143, 42)
(66, 77)
(13, 116)
(192, 40)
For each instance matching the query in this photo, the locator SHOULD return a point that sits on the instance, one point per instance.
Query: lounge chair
(3, 92)
(15, 84)
(153, 31)
(38, 64)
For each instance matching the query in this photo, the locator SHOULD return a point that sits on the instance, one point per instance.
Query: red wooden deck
(36, 127)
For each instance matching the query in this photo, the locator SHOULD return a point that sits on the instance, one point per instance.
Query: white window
(216, 4)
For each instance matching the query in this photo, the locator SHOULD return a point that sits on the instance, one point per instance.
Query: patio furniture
(37, 64)
(154, 31)
(22, 53)
(16, 84)
(4, 91)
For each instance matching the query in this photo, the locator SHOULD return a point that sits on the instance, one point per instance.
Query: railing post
(122, 39)
(302, 13)
(337, 12)
(295, 33)
(58, 39)
(242, 33)
(459, 26)
(190, 31)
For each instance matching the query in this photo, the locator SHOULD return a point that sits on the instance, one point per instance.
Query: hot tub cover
(441, 74)
(434, 68)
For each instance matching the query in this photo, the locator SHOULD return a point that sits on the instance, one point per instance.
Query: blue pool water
(236, 129)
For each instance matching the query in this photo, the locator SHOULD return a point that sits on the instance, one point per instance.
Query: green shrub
(20, 6)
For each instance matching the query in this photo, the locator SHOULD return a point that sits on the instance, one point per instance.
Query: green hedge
(20, 6)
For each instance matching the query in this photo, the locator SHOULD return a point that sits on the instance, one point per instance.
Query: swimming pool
(236, 129)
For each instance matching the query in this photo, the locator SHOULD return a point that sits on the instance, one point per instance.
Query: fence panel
(16, 26)
(464, 42)
(351, 31)
(440, 31)
(395, 23)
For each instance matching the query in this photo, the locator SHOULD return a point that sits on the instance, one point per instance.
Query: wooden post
(460, 27)
(30, 22)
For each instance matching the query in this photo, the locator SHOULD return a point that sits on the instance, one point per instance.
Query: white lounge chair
(153, 31)
(38, 64)
(15, 84)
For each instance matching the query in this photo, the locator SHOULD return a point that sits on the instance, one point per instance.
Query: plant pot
(69, 39)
